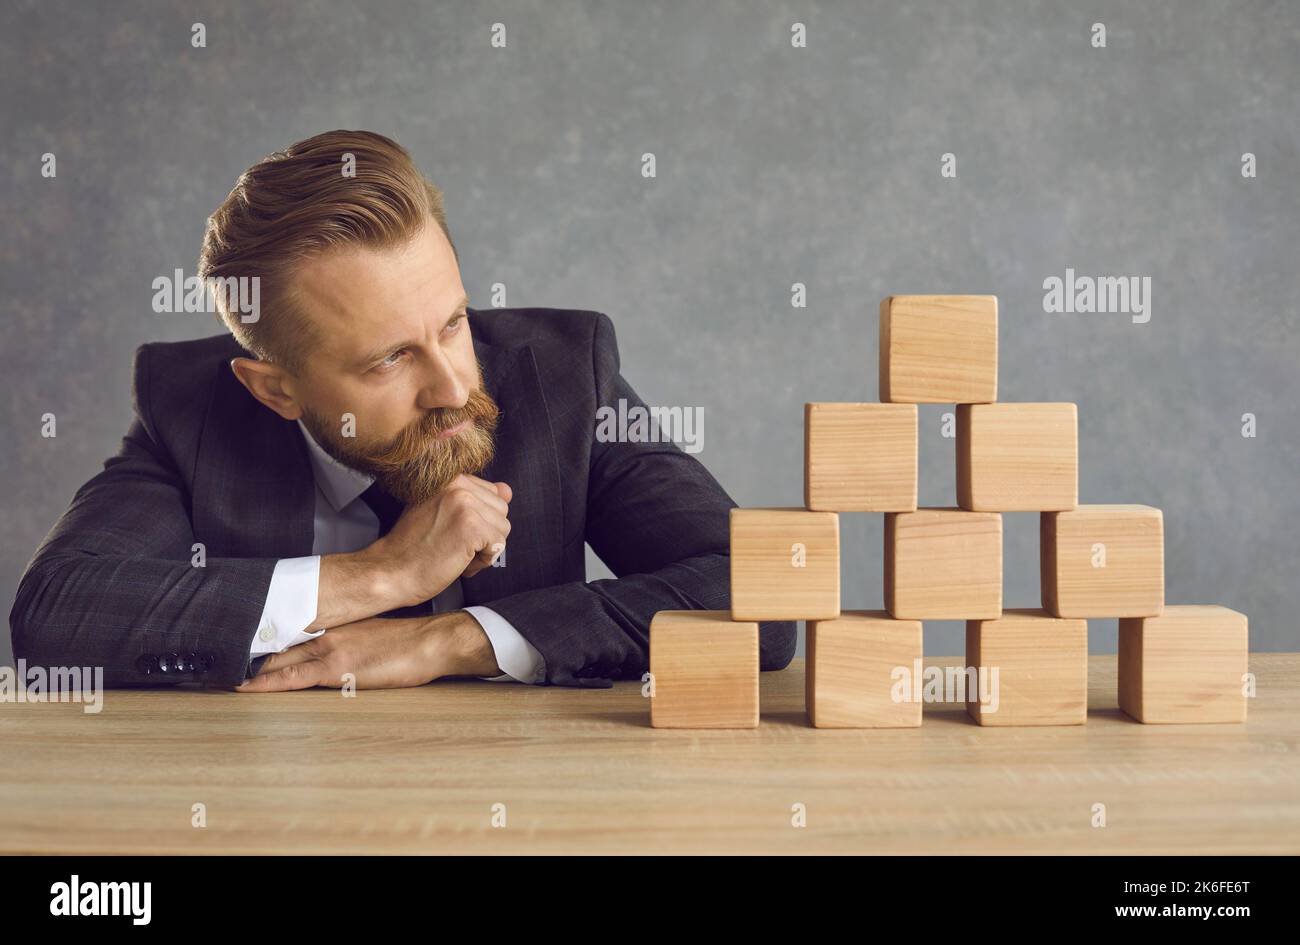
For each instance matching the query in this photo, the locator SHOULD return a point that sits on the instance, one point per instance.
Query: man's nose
(441, 386)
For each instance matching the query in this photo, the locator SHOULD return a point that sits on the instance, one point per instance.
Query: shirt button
(266, 634)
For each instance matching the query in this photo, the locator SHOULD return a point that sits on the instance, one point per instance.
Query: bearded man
(366, 479)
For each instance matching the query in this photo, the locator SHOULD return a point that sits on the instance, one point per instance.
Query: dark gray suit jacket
(113, 583)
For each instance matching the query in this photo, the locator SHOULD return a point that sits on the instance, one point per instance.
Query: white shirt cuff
(519, 660)
(290, 606)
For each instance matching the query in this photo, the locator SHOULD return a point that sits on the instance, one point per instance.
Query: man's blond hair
(337, 189)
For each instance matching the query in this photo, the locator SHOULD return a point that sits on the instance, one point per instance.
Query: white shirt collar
(340, 484)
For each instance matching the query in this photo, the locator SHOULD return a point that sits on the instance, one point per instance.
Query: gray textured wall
(775, 165)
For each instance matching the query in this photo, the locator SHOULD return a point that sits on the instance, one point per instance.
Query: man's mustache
(412, 444)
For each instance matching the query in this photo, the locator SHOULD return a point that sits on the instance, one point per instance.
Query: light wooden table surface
(419, 770)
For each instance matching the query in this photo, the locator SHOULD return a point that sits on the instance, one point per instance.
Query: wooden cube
(1017, 457)
(1184, 666)
(1042, 669)
(943, 564)
(1103, 561)
(939, 349)
(860, 457)
(785, 564)
(849, 681)
(705, 670)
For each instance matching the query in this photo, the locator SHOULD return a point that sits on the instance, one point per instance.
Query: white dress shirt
(343, 522)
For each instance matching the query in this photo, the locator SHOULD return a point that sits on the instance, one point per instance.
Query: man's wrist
(386, 577)
(355, 585)
(461, 646)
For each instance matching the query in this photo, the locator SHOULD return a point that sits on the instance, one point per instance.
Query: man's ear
(270, 384)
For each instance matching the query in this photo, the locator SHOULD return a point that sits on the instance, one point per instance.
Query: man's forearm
(118, 611)
(450, 644)
(362, 584)
(469, 651)
(381, 653)
(354, 586)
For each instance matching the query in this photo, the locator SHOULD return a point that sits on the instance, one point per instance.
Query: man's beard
(415, 465)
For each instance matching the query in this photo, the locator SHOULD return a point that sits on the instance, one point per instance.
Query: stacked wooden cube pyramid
(1176, 663)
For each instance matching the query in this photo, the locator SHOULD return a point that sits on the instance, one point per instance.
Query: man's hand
(382, 653)
(458, 532)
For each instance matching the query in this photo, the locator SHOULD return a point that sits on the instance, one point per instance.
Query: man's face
(394, 351)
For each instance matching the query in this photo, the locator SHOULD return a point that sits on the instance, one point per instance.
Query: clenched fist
(457, 533)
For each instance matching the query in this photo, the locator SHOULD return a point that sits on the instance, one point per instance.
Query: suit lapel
(255, 496)
(526, 459)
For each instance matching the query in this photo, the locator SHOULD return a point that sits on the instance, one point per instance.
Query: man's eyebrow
(380, 354)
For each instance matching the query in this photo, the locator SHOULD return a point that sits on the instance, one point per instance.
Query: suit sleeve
(116, 583)
(659, 520)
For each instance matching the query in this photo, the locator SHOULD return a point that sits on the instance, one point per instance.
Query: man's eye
(391, 359)
(453, 326)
